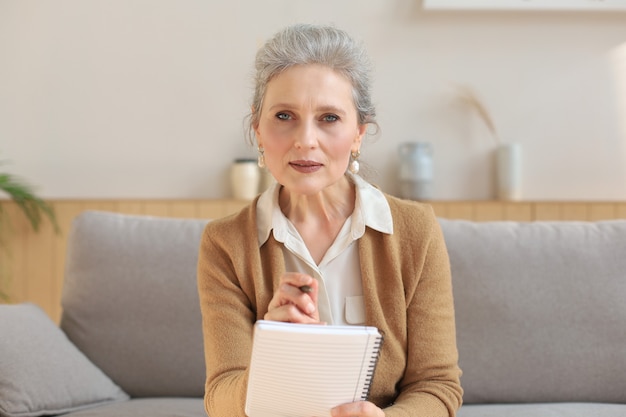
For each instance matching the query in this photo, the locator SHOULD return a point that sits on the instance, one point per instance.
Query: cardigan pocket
(355, 310)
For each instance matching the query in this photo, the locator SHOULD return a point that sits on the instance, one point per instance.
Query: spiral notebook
(304, 370)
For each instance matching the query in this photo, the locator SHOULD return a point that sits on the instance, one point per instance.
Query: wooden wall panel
(39, 268)
(602, 211)
(521, 212)
(460, 210)
(33, 265)
(574, 211)
(13, 252)
(547, 211)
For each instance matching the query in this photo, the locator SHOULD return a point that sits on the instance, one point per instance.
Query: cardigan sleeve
(227, 322)
(431, 382)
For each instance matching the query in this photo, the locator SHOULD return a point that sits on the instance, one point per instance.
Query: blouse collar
(371, 210)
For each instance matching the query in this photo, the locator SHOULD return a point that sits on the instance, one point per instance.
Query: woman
(367, 257)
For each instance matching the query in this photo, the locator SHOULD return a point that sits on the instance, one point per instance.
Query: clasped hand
(291, 304)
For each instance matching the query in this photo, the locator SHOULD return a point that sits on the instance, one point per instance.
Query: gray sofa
(541, 318)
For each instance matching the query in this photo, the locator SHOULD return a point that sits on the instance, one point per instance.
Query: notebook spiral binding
(371, 369)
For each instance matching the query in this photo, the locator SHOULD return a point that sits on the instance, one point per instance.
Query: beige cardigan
(408, 296)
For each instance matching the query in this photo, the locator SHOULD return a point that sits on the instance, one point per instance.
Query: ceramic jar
(415, 171)
(245, 178)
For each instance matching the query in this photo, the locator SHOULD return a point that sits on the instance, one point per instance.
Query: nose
(306, 135)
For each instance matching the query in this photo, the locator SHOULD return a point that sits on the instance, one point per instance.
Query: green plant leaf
(33, 207)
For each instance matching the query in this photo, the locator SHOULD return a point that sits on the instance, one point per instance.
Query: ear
(361, 129)
(255, 126)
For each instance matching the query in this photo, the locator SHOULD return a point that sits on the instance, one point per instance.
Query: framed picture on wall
(590, 5)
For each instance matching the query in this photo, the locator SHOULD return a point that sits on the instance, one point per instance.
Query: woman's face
(308, 126)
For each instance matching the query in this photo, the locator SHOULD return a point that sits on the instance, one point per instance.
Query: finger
(291, 314)
(305, 283)
(313, 294)
(292, 304)
(297, 279)
(283, 294)
(357, 409)
(305, 288)
(308, 298)
(298, 289)
(290, 294)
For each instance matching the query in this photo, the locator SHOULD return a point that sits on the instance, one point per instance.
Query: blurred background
(147, 98)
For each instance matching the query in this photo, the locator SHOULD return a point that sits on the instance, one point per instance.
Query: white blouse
(340, 297)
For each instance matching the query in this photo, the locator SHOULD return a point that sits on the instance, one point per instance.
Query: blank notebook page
(304, 370)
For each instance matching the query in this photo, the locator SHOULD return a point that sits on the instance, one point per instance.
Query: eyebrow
(325, 108)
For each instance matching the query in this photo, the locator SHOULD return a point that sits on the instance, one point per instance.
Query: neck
(333, 204)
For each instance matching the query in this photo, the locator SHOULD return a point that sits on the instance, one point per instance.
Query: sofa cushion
(149, 407)
(540, 310)
(41, 371)
(544, 410)
(130, 301)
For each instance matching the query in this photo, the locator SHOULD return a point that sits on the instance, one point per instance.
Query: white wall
(146, 98)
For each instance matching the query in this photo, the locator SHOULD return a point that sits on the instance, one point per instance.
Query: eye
(330, 118)
(282, 116)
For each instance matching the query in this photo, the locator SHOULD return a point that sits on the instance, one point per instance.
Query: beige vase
(509, 171)
(245, 178)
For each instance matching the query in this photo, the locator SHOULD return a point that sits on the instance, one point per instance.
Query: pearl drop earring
(354, 166)
(261, 158)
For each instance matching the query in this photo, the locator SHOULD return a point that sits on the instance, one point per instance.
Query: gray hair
(303, 44)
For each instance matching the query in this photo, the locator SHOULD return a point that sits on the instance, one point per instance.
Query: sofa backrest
(123, 272)
(540, 309)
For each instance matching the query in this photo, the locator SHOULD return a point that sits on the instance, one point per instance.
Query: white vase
(245, 178)
(415, 171)
(509, 171)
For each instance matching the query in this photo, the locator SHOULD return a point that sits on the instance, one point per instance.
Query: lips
(305, 166)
